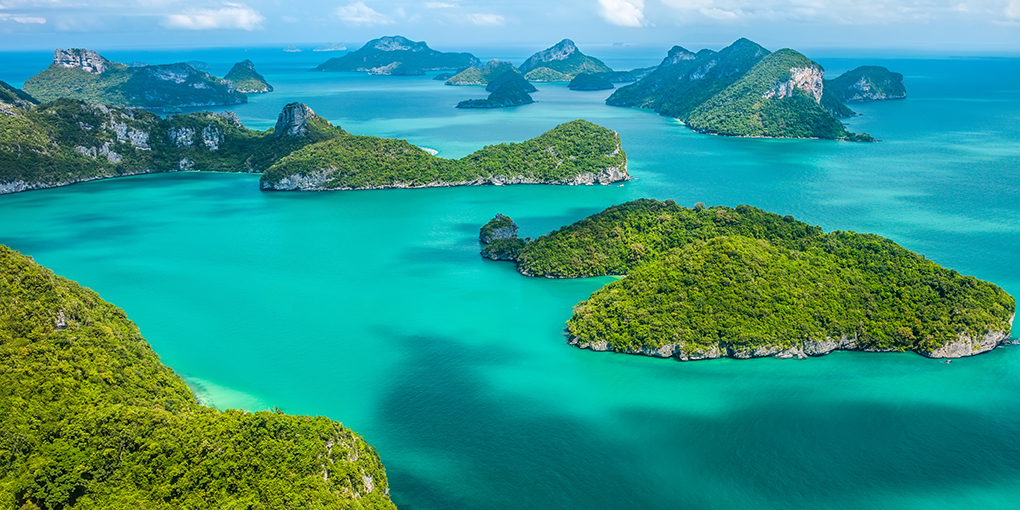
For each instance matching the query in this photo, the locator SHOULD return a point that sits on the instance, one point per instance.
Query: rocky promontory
(246, 79)
(499, 235)
(561, 62)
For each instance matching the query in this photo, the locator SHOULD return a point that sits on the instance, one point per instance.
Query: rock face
(560, 51)
(86, 60)
(293, 120)
(500, 227)
(807, 79)
(396, 69)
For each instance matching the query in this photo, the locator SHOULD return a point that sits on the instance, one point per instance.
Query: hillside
(712, 282)
(379, 53)
(87, 76)
(577, 152)
(244, 78)
(492, 73)
(92, 419)
(561, 62)
(867, 83)
(511, 91)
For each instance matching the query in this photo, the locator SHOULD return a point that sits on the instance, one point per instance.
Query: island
(510, 92)
(84, 74)
(499, 235)
(245, 79)
(561, 62)
(380, 53)
(492, 74)
(742, 90)
(588, 81)
(91, 418)
(711, 282)
(573, 153)
(867, 83)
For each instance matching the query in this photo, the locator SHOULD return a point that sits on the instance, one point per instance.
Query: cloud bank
(230, 16)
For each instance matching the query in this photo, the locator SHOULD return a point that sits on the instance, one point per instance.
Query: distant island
(573, 153)
(867, 83)
(376, 55)
(84, 74)
(713, 282)
(244, 78)
(511, 89)
(587, 81)
(561, 62)
(742, 90)
(492, 75)
(97, 421)
(331, 47)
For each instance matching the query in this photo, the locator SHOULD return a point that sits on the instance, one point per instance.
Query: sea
(374, 308)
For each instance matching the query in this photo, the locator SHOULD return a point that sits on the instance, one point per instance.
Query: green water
(374, 308)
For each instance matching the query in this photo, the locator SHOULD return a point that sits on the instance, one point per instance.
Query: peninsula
(742, 90)
(713, 282)
(85, 75)
(376, 55)
(91, 418)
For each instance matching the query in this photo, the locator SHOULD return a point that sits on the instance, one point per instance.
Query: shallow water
(374, 308)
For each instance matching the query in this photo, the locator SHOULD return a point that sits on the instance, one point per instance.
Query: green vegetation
(15, 96)
(69, 141)
(510, 92)
(246, 79)
(493, 74)
(499, 227)
(745, 279)
(154, 87)
(742, 90)
(628, 76)
(387, 50)
(587, 81)
(561, 62)
(561, 155)
(867, 83)
(504, 249)
(90, 419)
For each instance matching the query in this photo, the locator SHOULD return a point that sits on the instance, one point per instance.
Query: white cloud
(234, 16)
(626, 13)
(31, 20)
(836, 11)
(1013, 9)
(360, 14)
(439, 5)
(492, 20)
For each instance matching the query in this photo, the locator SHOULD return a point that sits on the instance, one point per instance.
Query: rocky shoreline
(317, 180)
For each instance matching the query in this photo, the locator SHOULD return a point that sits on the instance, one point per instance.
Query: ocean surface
(374, 308)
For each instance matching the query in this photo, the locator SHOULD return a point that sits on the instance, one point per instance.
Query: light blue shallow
(374, 308)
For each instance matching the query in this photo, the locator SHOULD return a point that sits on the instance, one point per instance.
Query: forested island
(511, 90)
(385, 54)
(245, 79)
(573, 153)
(743, 90)
(68, 141)
(713, 282)
(84, 74)
(92, 419)
(492, 74)
(561, 62)
(867, 83)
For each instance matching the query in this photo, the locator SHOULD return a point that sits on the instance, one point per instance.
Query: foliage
(90, 419)
(246, 79)
(13, 95)
(587, 81)
(493, 74)
(743, 277)
(503, 249)
(552, 65)
(628, 76)
(386, 50)
(349, 161)
(499, 227)
(867, 83)
(158, 86)
(509, 93)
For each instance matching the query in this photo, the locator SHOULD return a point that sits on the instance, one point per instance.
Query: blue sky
(935, 26)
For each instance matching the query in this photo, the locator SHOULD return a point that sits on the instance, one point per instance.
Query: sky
(942, 27)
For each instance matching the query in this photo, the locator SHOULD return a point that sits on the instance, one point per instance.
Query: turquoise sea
(374, 308)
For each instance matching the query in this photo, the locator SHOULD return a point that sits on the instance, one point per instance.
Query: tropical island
(67, 141)
(492, 72)
(867, 83)
(561, 62)
(91, 418)
(376, 55)
(742, 90)
(509, 90)
(246, 79)
(588, 81)
(573, 153)
(713, 282)
(88, 76)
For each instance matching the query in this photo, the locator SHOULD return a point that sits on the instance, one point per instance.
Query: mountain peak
(86, 60)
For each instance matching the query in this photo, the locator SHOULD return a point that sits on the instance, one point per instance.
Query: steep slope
(86, 75)
(379, 53)
(92, 419)
(561, 62)
(246, 79)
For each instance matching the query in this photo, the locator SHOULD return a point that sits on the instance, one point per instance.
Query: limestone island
(84, 74)
(492, 75)
(867, 83)
(573, 153)
(99, 422)
(713, 282)
(510, 91)
(378, 54)
(561, 62)
(742, 90)
(587, 81)
(246, 79)
(68, 141)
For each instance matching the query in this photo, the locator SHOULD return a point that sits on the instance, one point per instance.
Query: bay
(374, 308)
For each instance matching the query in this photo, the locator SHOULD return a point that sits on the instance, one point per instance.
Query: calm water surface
(374, 308)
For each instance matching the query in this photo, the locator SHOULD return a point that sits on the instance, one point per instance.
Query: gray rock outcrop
(86, 60)
(293, 120)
